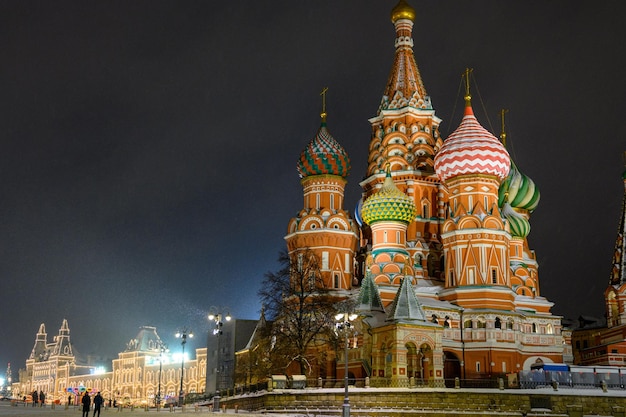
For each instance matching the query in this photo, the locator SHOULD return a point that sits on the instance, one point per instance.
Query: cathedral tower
(405, 138)
(472, 163)
(323, 226)
(388, 212)
(615, 295)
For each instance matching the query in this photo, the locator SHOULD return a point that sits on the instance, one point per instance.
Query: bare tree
(300, 309)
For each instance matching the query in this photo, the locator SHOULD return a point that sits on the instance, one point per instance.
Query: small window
(467, 324)
(494, 276)
(325, 260)
(470, 276)
(336, 281)
(498, 323)
(478, 367)
(434, 319)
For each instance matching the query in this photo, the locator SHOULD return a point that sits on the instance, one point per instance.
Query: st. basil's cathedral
(436, 255)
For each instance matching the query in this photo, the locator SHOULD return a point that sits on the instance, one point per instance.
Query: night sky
(149, 148)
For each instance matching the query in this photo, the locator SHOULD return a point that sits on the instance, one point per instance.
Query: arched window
(498, 323)
(467, 324)
(434, 319)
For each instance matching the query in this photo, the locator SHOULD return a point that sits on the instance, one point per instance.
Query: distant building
(136, 375)
(221, 348)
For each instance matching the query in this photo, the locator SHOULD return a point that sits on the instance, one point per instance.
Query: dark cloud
(147, 168)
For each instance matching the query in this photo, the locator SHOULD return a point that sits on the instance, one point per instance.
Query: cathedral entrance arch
(451, 368)
(425, 358)
(412, 360)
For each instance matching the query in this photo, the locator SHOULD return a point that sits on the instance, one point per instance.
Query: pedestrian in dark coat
(86, 404)
(97, 402)
(35, 398)
(42, 399)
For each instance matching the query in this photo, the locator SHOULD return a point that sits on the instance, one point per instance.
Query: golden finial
(468, 96)
(402, 11)
(503, 132)
(323, 94)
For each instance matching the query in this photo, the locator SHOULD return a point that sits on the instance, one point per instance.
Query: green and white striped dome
(518, 190)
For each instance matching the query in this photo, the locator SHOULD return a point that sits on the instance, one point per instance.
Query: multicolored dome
(389, 204)
(519, 191)
(471, 149)
(323, 155)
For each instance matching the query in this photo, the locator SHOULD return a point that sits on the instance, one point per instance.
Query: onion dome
(357, 212)
(389, 203)
(402, 11)
(519, 191)
(471, 149)
(519, 226)
(323, 156)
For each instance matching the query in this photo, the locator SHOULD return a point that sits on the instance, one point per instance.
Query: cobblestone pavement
(6, 409)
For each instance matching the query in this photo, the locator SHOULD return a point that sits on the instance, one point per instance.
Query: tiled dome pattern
(389, 203)
(471, 149)
(323, 155)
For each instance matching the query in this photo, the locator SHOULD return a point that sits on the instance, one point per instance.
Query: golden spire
(323, 114)
(503, 132)
(468, 96)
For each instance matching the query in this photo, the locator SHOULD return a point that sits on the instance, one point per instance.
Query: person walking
(35, 398)
(42, 399)
(97, 403)
(86, 404)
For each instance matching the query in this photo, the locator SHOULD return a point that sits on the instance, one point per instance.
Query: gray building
(222, 344)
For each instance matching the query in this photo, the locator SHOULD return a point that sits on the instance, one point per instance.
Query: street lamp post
(217, 318)
(162, 349)
(344, 324)
(183, 334)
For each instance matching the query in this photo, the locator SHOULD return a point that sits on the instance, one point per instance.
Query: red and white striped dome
(471, 149)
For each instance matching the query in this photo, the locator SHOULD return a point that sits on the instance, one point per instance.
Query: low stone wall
(450, 402)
